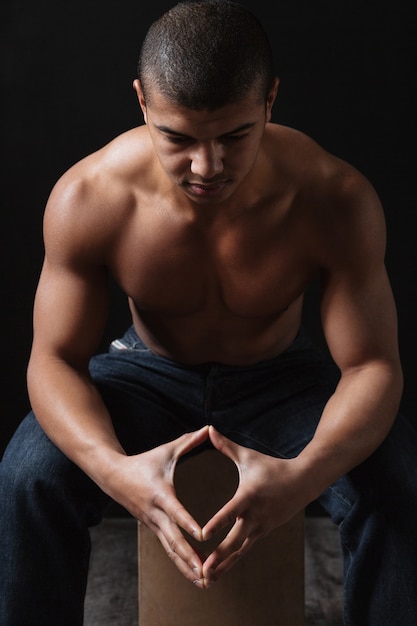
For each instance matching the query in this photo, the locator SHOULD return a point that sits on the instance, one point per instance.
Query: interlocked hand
(144, 485)
(267, 497)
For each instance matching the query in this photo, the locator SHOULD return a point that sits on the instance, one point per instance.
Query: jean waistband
(132, 341)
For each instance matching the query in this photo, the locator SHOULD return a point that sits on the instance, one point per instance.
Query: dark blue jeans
(48, 504)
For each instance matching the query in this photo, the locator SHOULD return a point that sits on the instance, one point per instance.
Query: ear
(141, 98)
(271, 98)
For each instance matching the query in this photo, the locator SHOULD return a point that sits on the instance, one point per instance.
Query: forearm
(355, 421)
(71, 411)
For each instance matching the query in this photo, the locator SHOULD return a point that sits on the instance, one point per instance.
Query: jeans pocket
(130, 341)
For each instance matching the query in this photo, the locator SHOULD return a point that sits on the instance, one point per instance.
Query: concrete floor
(112, 589)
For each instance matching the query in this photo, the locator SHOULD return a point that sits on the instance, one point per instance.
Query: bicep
(358, 311)
(359, 317)
(70, 311)
(71, 302)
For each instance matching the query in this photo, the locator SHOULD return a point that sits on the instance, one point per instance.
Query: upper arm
(71, 301)
(357, 306)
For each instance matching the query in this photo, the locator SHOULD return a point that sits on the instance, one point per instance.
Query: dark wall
(347, 70)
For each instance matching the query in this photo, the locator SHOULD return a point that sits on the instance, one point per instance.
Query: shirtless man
(213, 221)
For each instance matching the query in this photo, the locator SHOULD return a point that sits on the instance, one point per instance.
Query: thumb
(223, 444)
(189, 441)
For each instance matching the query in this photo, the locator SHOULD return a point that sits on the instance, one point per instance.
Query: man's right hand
(144, 485)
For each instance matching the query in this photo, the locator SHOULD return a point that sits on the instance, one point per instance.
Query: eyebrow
(238, 129)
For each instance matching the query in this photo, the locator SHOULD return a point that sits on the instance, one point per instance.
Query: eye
(235, 138)
(176, 140)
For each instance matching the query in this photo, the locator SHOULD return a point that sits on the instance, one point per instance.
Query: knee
(31, 460)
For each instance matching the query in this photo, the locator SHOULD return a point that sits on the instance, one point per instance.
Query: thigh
(275, 406)
(151, 400)
(36, 474)
(385, 483)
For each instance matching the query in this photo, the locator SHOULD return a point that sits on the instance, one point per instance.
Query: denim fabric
(48, 504)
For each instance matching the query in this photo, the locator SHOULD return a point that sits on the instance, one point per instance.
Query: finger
(223, 444)
(224, 517)
(182, 555)
(211, 575)
(238, 541)
(188, 563)
(164, 522)
(183, 518)
(167, 503)
(189, 441)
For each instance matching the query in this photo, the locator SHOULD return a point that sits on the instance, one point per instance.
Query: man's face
(207, 154)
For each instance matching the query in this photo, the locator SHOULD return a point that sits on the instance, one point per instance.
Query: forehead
(163, 113)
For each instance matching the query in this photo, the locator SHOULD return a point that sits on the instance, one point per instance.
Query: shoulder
(104, 178)
(313, 168)
(96, 197)
(327, 184)
(337, 202)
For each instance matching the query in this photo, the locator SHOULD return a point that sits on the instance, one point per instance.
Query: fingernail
(205, 535)
(198, 583)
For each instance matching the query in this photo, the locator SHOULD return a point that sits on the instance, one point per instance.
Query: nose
(207, 160)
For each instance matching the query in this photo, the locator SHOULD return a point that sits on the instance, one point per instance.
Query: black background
(347, 70)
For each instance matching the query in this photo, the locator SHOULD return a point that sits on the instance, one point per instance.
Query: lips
(207, 189)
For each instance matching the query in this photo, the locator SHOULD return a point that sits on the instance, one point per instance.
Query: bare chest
(245, 272)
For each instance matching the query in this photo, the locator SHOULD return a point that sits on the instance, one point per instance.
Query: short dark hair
(203, 54)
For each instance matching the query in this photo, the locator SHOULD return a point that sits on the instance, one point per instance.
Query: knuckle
(231, 516)
(157, 499)
(172, 555)
(172, 545)
(152, 519)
